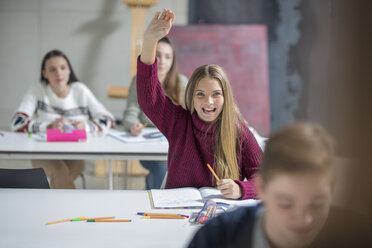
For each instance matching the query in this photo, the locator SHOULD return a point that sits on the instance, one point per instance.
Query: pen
(102, 220)
(214, 174)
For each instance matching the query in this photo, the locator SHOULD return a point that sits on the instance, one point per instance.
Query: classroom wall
(95, 35)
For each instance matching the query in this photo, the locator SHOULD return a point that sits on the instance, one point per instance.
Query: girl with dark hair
(57, 102)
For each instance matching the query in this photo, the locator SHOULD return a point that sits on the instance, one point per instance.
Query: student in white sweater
(60, 101)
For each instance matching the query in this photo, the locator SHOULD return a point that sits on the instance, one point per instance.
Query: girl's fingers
(157, 14)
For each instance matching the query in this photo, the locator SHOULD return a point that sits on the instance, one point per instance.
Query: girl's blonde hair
(228, 122)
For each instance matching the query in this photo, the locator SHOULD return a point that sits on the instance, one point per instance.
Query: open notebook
(191, 198)
(148, 134)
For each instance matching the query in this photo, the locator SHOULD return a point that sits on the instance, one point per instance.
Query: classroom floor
(135, 181)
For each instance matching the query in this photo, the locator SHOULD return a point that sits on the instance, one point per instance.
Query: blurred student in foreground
(295, 184)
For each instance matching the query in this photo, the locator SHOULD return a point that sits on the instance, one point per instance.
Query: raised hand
(157, 29)
(159, 25)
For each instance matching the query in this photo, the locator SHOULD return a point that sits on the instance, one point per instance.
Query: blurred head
(296, 184)
(165, 54)
(167, 69)
(56, 69)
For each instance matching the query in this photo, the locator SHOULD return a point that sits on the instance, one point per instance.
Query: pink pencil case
(56, 135)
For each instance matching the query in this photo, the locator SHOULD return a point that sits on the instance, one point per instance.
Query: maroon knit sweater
(190, 139)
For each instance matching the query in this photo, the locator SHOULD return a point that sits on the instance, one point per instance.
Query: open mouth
(209, 111)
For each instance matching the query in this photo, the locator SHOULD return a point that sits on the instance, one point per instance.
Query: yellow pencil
(214, 174)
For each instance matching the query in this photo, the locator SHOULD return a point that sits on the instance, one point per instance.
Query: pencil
(145, 125)
(163, 217)
(62, 221)
(214, 174)
(106, 220)
(101, 218)
(161, 214)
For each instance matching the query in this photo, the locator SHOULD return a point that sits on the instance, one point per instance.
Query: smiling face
(296, 207)
(164, 53)
(208, 99)
(57, 72)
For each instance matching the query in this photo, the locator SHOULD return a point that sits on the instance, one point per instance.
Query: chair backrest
(23, 178)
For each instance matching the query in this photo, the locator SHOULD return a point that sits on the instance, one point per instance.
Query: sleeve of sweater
(251, 156)
(22, 120)
(132, 110)
(154, 103)
(101, 118)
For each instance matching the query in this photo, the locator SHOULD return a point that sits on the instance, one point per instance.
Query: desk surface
(24, 212)
(19, 146)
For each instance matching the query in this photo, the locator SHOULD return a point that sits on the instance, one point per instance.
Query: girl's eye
(199, 94)
(217, 94)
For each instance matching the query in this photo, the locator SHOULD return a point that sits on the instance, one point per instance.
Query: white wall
(94, 34)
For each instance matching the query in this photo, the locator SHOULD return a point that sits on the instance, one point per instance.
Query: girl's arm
(157, 29)
(132, 110)
(151, 97)
(251, 156)
(101, 118)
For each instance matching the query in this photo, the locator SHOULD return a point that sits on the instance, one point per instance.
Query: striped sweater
(40, 106)
(191, 141)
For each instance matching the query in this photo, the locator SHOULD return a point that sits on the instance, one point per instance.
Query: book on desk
(190, 197)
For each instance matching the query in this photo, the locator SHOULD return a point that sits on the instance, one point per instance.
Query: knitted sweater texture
(191, 140)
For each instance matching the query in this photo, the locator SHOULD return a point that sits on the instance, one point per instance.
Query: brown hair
(228, 122)
(298, 148)
(56, 53)
(172, 83)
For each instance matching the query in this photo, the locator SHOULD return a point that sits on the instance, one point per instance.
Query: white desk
(20, 146)
(24, 212)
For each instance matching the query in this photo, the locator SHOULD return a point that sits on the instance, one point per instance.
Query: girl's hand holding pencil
(136, 129)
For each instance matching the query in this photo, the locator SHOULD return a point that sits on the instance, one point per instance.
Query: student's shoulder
(183, 79)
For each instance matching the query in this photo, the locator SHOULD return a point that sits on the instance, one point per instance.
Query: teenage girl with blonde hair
(210, 130)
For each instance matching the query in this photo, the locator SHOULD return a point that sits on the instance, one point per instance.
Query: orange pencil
(164, 217)
(214, 174)
(145, 125)
(101, 220)
(62, 221)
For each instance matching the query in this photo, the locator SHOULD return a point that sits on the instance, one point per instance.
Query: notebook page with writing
(176, 198)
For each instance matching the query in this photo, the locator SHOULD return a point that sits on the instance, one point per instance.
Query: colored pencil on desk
(101, 218)
(163, 217)
(161, 214)
(106, 220)
(214, 174)
(62, 221)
